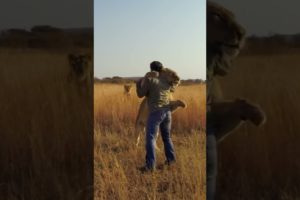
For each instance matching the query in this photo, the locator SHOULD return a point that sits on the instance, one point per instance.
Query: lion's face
(224, 34)
(80, 67)
(127, 88)
(81, 72)
(170, 75)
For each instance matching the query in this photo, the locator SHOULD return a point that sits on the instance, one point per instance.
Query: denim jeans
(211, 164)
(160, 119)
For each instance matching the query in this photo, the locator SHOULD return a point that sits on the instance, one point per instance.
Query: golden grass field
(46, 134)
(116, 158)
(45, 155)
(263, 163)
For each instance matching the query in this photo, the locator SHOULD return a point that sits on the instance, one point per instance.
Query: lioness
(225, 38)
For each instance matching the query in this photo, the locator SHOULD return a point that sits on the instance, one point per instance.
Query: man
(157, 89)
(155, 68)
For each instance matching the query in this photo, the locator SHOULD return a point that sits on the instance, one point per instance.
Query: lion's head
(127, 89)
(81, 71)
(225, 37)
(170, 75)
(81, 67)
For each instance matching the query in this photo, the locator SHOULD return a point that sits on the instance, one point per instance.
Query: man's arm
(142, 87)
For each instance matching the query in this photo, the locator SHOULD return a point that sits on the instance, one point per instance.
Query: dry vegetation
(264, 163)
(116, 158)
(45, 129)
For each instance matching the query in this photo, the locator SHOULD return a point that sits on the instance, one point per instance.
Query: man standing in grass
(157, 89)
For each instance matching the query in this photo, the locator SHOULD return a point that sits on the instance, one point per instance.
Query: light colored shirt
(157, 90)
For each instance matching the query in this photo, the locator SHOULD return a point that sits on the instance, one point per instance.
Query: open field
(116, 158)
(45, 128)
(263, 163)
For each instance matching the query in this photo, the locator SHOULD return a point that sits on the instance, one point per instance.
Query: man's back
(158, 91)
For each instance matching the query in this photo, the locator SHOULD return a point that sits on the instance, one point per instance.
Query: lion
(81, 71)
(225, 39)
(127, 89)
(82, 68)
(142, 116)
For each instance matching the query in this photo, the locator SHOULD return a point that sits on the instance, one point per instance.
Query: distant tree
(45, 29)
(20, 32)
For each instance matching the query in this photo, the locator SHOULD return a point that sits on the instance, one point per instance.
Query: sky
(130, 34)
(58, 13)
(266, 17)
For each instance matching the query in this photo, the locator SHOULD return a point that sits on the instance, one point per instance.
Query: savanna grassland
(263, 163)
(46, 145)
(117, 159)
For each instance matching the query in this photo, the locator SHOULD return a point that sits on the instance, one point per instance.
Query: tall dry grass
(263, 163)
(117, 159)
(46, 131)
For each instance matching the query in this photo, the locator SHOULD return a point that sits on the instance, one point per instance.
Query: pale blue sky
(130, 34)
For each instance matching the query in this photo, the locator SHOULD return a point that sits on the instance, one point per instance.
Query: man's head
(156, 66)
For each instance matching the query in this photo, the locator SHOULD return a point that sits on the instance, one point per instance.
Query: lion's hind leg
(140, 121)
(139, 131)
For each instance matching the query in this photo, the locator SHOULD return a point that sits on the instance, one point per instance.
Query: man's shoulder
(153, 80)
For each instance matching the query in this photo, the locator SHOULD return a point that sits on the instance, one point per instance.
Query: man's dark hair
(156, 66)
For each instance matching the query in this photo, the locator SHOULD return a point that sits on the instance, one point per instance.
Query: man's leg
(153, 122)
(165, 128)
(211, 164)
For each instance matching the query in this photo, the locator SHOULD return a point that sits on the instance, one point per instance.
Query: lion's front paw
(181, 104)
(253, 113)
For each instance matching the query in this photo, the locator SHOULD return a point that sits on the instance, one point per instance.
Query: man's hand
(152, 74)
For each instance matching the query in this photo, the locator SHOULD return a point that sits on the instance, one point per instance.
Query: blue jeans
(211, 164)
(159, 119)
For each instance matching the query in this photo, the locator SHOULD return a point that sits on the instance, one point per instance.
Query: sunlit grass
(117, 158)
(263, 163)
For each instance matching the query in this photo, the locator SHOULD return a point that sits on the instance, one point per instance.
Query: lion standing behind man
(142, 116)
(225, 38)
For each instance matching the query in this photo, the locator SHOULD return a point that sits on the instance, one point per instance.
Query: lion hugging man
(225, 38)
(157, 86)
